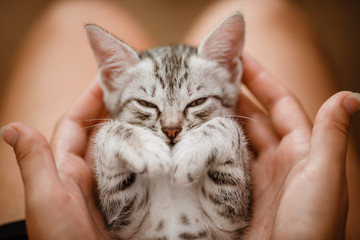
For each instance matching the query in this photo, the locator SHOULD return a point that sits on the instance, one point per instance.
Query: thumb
(327, 159)
(331, 128)
(34, 157)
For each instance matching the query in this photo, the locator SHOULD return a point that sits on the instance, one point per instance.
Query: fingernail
(352, 103)
(9, 134)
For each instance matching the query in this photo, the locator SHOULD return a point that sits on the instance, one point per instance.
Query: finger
(89, 106)
(72, 132)
(331, 129)
(327, 159)
(34, 158)
(285, 112)
(259, 129)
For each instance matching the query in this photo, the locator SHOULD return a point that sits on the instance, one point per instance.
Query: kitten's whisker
(95, 125)
(95, 119)
(239, 116)
(103, 121)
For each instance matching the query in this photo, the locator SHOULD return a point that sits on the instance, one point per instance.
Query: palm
(274, 171)
(80, 217)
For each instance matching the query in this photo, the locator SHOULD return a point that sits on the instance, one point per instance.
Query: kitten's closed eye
(197, 102)
(146, 104)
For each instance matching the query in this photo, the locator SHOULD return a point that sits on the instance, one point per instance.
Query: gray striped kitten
(171, 163)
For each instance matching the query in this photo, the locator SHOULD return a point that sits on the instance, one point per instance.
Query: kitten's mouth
(172, 142)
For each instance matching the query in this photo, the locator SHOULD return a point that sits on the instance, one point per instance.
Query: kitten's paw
(151, 157)
(190, 163)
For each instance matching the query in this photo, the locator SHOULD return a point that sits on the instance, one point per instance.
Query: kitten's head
(175, 88)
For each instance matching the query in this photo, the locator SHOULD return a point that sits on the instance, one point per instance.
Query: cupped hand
(300, 189)
(58, 180)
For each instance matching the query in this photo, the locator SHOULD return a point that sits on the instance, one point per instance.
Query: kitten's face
(172, 90)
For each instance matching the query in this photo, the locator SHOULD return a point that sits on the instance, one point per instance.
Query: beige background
(335, 21)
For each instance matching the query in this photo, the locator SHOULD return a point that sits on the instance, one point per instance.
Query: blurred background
(335, 21)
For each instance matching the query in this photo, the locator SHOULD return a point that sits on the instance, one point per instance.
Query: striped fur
(170, 164)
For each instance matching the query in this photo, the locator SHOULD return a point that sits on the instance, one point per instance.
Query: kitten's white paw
(151, 157)
(191, 161)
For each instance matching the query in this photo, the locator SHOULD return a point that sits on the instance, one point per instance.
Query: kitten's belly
(174, 212)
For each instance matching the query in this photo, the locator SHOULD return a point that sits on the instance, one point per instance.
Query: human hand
(58, 181)
(300, 189)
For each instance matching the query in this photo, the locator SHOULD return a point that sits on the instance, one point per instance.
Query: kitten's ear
(224, 44)
(112, 55)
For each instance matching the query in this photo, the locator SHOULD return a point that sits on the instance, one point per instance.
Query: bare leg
(282, 40)
(53, 67)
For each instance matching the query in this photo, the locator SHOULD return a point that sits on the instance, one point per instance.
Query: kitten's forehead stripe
(148, 54)
(170, 65)
(153, 91)
(157, 74)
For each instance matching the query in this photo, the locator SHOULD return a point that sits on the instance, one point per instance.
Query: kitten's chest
(174, 212)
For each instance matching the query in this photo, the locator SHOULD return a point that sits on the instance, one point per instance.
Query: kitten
(171, 164)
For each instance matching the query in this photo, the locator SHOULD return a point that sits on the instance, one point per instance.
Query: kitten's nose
(171, 132)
